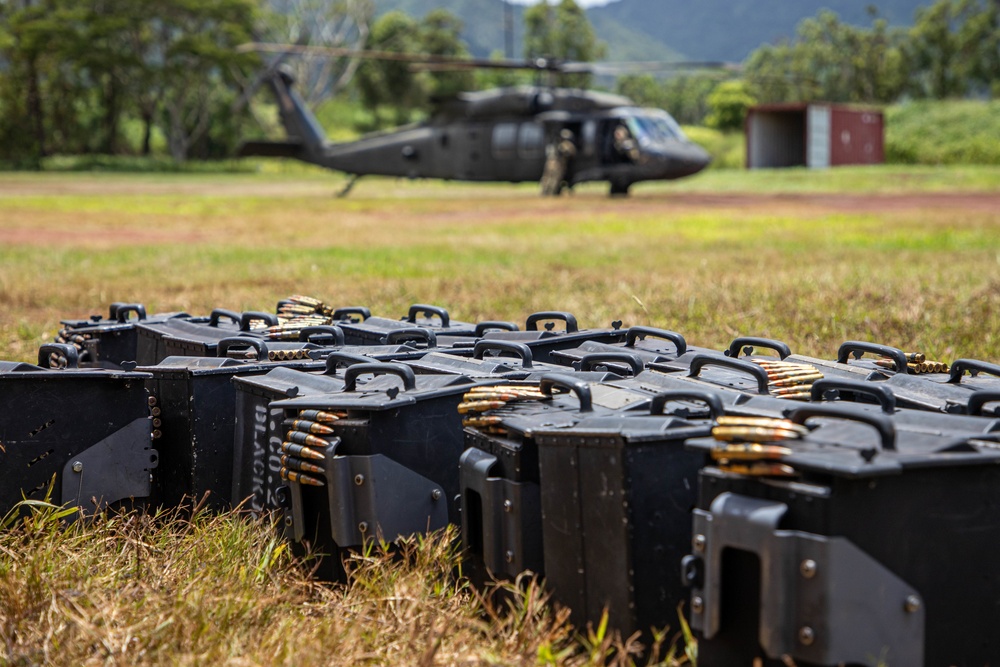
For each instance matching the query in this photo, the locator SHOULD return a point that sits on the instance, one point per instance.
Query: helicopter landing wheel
(619, 189)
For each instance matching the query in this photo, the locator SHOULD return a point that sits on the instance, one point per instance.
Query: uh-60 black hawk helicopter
(502, 134)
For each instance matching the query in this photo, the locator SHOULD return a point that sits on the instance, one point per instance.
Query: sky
(582, 3)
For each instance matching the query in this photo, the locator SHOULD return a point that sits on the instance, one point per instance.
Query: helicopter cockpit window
(531, 140)
(655, 127)
(504, 140)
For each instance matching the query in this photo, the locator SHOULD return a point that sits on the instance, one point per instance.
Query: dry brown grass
(179, 589)
(918, 272)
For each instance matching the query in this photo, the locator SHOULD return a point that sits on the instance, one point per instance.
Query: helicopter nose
(694, 159)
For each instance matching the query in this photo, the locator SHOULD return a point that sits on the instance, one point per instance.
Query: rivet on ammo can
(509, 556)
(808, 568)
(77, 466)
(697, 605)
(436, 494)
(699, 543)
(359, 479)
(806, 635)
(912, 604)
(508, 506)
(363, 526)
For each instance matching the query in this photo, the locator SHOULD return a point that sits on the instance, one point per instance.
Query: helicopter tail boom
(306, 139)
(292, 149)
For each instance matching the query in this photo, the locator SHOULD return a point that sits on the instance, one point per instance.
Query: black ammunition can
(86, 432)
(877, 546)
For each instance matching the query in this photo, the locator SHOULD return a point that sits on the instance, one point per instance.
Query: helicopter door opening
(618, 145)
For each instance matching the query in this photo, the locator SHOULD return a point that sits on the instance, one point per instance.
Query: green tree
(831, 61)
(28, 31)
(440, 34)
(74, 70)
(979, 40)
(933, 50)
(729, 103)
(198, 40)
(955, 48)
(500, 77)
(563, 32)
(685, 97)
(324, 23)
(393, 85)
(387, 83)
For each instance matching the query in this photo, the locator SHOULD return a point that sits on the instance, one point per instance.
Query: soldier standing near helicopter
(557, 158)
(625, 145)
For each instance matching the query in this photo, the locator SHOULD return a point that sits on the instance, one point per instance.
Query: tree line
(126, 77)
(951, 50)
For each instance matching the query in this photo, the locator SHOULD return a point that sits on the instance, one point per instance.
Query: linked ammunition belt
(288, 355)
(296, 313)
(68, 336)
(754, 446)
(916, 364)
(304, 448)
(484, 407)
(789, 380)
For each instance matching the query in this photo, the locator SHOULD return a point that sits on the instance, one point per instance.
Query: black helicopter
(499, 135)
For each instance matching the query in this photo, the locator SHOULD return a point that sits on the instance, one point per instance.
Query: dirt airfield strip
(482, 204)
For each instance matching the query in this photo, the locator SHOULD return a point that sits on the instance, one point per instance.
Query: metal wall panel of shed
(818, 137)
(856, 137)
(776, 138)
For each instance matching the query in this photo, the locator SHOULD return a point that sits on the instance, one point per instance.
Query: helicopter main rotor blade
(651, 66)
(439, 63)
(420, 58)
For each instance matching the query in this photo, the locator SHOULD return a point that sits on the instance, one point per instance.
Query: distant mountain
(666, 29)
(731, 29)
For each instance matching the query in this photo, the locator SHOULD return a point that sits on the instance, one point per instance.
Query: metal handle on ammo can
(699, 361)
(550, 381)
(322, 330)
(397, 336)
(973, 366)
(880, 423)
(884, 397)
(112, 310)
(981, 398)
(520, 349)
(635, 332)
(588, 361)
(338, 359)
(711, 400)
(897, 356)
(426, 309)
(123, 309)
(62, 349)
(404, 373)
(270, 319)
(341, 314)
(531, 324)
(219, 313)
(483, 327)
(752, 341)
(227, 344)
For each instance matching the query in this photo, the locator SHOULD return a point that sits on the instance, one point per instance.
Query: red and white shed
(813, 135)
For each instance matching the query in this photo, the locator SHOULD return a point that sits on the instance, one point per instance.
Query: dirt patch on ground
(309, 207)
(874, 203)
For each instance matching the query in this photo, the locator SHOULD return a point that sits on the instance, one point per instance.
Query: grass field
(904, 256)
